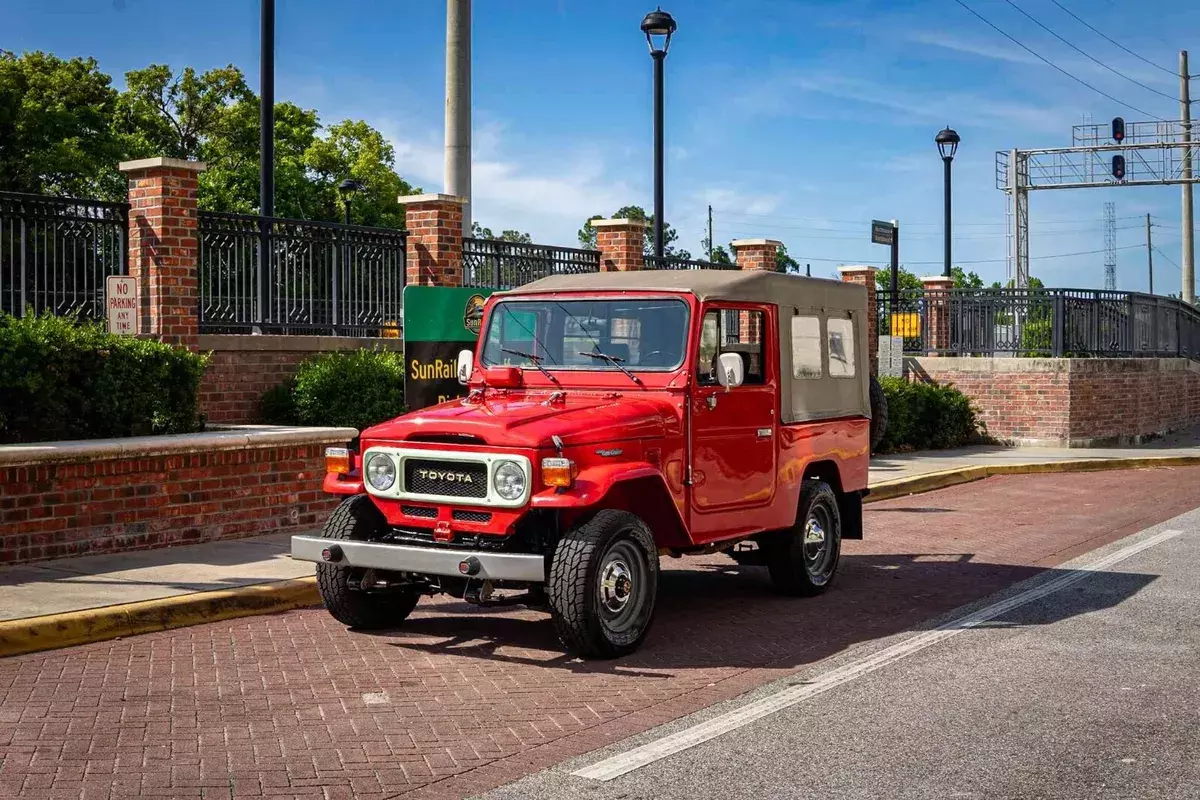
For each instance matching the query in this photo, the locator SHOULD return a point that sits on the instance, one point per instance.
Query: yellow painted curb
(52, 631)
(901, 487)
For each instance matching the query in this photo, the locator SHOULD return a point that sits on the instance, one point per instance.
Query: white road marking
(622, 763)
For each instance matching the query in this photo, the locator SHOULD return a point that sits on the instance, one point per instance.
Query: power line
(966, 263)
(1047, 61)
(860, 222)
(1113, 42)
(1168, 258)
(1035, 21)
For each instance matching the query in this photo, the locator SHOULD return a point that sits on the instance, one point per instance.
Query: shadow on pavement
(720, 614)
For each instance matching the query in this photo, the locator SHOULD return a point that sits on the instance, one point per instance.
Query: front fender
(593, 483)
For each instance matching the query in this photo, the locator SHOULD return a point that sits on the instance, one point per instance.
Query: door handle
(711, 401)
(764, 433)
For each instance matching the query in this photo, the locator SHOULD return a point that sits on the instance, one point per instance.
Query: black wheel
(603, 583)
(803, 560)
(358, 520)
(879, 413)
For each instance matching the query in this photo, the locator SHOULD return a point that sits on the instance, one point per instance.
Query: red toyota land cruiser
(613, 418)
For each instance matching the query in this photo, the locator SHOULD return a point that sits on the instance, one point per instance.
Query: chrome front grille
(445, 478)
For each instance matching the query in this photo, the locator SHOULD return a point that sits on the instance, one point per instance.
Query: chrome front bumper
(423, 560)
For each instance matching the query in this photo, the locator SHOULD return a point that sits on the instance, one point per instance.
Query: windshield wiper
(535, 360)
(616, 362)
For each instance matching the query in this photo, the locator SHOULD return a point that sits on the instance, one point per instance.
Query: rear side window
(806, 347)
(840, 332)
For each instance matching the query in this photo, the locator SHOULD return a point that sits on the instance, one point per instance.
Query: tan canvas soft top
(803, 399)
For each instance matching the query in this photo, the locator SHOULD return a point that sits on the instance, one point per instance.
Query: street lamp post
(947, 143)
(347, 189)
(658, 27)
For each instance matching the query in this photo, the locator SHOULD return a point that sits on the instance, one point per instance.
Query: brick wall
(133, 494)
(1077, 402)
(243, 367)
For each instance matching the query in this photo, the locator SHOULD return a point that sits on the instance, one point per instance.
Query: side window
(806, 347)
(840, 332)
(732, 331)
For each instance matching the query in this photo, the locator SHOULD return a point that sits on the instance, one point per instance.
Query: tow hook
(481, 594)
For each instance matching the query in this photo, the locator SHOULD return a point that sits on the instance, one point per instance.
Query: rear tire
(803, 560)
(879, 413)
(358, 520)
(603, 584)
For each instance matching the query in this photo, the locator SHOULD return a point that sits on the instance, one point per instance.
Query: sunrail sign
(439, 321)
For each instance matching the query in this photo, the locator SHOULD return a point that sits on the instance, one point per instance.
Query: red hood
(523, 419)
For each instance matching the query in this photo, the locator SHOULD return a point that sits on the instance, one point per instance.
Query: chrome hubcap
(814, 543)
(616, 585)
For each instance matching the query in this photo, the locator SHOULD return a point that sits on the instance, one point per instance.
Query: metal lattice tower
(1110, 246)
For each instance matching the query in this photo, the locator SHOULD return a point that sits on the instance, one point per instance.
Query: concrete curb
(53, 631)
(901, 487)
(34, 634)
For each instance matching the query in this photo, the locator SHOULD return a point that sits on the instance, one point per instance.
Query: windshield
(601, 335)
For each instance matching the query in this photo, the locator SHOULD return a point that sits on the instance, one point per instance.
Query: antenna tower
(1110, 246)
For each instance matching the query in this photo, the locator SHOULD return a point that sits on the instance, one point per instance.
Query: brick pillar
(865, 276)
(621, 243)
(755, 253)
(937, 310)
(435, 224)
(163, 246)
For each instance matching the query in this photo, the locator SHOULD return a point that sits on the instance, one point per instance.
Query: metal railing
(504, 265)
(56, 252)
(1040, 322)
(321, 277)
(670, 262)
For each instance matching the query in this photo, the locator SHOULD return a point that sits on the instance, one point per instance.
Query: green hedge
(65, 379)
(928, 416)
(352, 388)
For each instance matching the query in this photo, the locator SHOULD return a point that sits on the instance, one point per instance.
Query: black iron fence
(320, 277)
(1040, 322)
(57, 252)
(504, 265)
(670, 262)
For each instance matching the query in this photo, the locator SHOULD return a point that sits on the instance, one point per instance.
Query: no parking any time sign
(120, 303)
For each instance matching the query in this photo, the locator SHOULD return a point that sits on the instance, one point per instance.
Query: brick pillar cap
(754, 242)
(937, 280)
(619, 223)
(161, 161)
(864, 268)
(406, 199)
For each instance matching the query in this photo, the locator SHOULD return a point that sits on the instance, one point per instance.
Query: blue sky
(800, 121)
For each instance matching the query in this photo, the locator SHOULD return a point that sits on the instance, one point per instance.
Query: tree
(55, 127)
(905, 280)
(720, 255)
(164, 114)
(785, 263)
(965, 280)
(587, 234)
(519, 237)
(1034, 283)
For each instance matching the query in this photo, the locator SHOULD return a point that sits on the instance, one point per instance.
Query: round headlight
(509, 480)
(381, 472)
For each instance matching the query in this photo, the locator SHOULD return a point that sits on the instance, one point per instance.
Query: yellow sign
(906, 325)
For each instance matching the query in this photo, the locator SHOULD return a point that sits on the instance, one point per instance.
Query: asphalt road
(1090, 691)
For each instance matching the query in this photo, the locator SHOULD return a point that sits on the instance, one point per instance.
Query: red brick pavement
(461, 700)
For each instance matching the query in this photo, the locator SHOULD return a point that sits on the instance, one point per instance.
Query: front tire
(358, 520)
(803, 560)
(603, 584)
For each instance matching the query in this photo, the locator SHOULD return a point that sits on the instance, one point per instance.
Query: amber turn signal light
(337, 460)
(558, 472)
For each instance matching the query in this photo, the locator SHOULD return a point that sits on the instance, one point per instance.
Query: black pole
(659, 56)
(346, 205)
(895, 267)
(946, 268)
(266, 155)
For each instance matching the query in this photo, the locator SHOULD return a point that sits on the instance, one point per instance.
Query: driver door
(733, 431)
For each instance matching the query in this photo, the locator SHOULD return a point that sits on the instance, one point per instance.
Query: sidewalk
(88, 582)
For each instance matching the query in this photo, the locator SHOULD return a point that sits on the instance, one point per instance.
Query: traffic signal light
(1118, 130)
(1118, 167)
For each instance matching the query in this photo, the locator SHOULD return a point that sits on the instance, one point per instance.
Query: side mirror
(466, 363)
(730, 370)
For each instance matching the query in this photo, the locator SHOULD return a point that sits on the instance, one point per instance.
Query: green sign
(439, 321)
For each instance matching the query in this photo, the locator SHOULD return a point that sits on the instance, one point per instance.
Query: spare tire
(879, 413)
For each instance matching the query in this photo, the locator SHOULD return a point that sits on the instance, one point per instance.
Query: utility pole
(457, 172)
(1149, 254)
(1110, 246)
(710, 241)
(266, 158)
(1189, 245)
